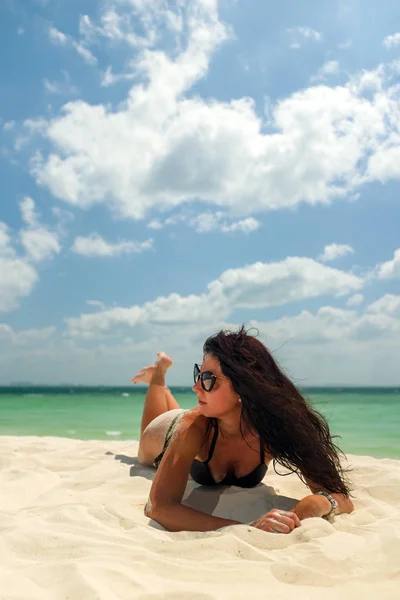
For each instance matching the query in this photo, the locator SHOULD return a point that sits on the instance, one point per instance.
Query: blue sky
(172, 168)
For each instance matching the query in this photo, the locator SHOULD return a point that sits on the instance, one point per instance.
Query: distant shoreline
(138, 389)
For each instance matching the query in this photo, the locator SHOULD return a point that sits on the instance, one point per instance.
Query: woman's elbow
(157, 510)
(148, 509)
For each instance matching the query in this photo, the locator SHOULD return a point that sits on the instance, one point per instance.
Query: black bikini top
(200, 471)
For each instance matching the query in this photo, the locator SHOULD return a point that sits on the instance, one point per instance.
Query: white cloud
(329, 68)
(329, 346)
(385, 163)
(333, 251)
(119, 27)
(391, 41)
(323, 145)
(58, 37)
(299, 34)
(263, 285)
(95, 245)
(328, 324)
(110, 78)
(356, 349)
(17, 277)
(155, 224)
(391, 268)
(355, 300)
(39, 242)
(388, 305)
(245, 225)
(5, 240)
(259, 285)
(96, 303)
(25, 337)
(85, 53)
(208, 221)
(28, 213)
(64, 218)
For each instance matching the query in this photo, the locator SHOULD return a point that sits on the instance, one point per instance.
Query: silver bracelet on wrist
(334, 504)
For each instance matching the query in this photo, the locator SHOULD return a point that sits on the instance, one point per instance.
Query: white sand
(72, 527)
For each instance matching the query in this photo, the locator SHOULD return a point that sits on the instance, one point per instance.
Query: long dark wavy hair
(294, 433)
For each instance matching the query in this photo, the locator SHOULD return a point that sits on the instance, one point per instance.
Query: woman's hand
(277, 521)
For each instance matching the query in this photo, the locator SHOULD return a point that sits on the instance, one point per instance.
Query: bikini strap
(214, 441)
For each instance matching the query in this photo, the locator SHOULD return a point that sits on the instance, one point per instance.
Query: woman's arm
(319, 506)
(164, 504)
(177, 517)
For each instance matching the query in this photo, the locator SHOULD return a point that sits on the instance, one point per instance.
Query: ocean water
(367, 419)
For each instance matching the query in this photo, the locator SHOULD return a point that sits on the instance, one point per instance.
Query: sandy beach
(72, 527)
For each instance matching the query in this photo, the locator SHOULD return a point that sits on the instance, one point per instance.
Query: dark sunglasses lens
(207, 380)
(196, 373)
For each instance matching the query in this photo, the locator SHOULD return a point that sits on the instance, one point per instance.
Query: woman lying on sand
(249, 414)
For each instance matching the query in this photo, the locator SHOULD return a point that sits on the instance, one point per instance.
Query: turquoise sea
(367, 419)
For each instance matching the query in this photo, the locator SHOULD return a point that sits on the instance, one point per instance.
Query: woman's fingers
(279, 526)
(289, 515)
(278, 521)
(287, 521)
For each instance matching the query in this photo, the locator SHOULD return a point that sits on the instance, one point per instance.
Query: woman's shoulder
(194, 421)
(193, 417)
(189, 431)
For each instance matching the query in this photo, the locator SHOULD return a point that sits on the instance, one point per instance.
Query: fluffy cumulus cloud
(294, 340)
(25, 337)
(329, 68)
(165, 147)
(261, 285)
(39, 242)
(18, 275)
(391, 41)
(333, 251)
(119, 340)
(391, 268)
(95, 245)
(355, 300)
(387, 305)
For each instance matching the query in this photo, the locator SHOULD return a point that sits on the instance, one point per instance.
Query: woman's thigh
(153, 437)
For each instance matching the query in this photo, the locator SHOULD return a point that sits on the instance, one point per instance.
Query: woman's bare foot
(163, 362)
(144, 375)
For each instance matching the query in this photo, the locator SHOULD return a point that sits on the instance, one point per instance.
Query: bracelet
(334, 504)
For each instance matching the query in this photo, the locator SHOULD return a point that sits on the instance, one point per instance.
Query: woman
(249, 414)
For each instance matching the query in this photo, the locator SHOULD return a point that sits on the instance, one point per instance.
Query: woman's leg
(171, 402)
(158, 398)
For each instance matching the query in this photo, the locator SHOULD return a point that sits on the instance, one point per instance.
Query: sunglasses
(207, 379)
